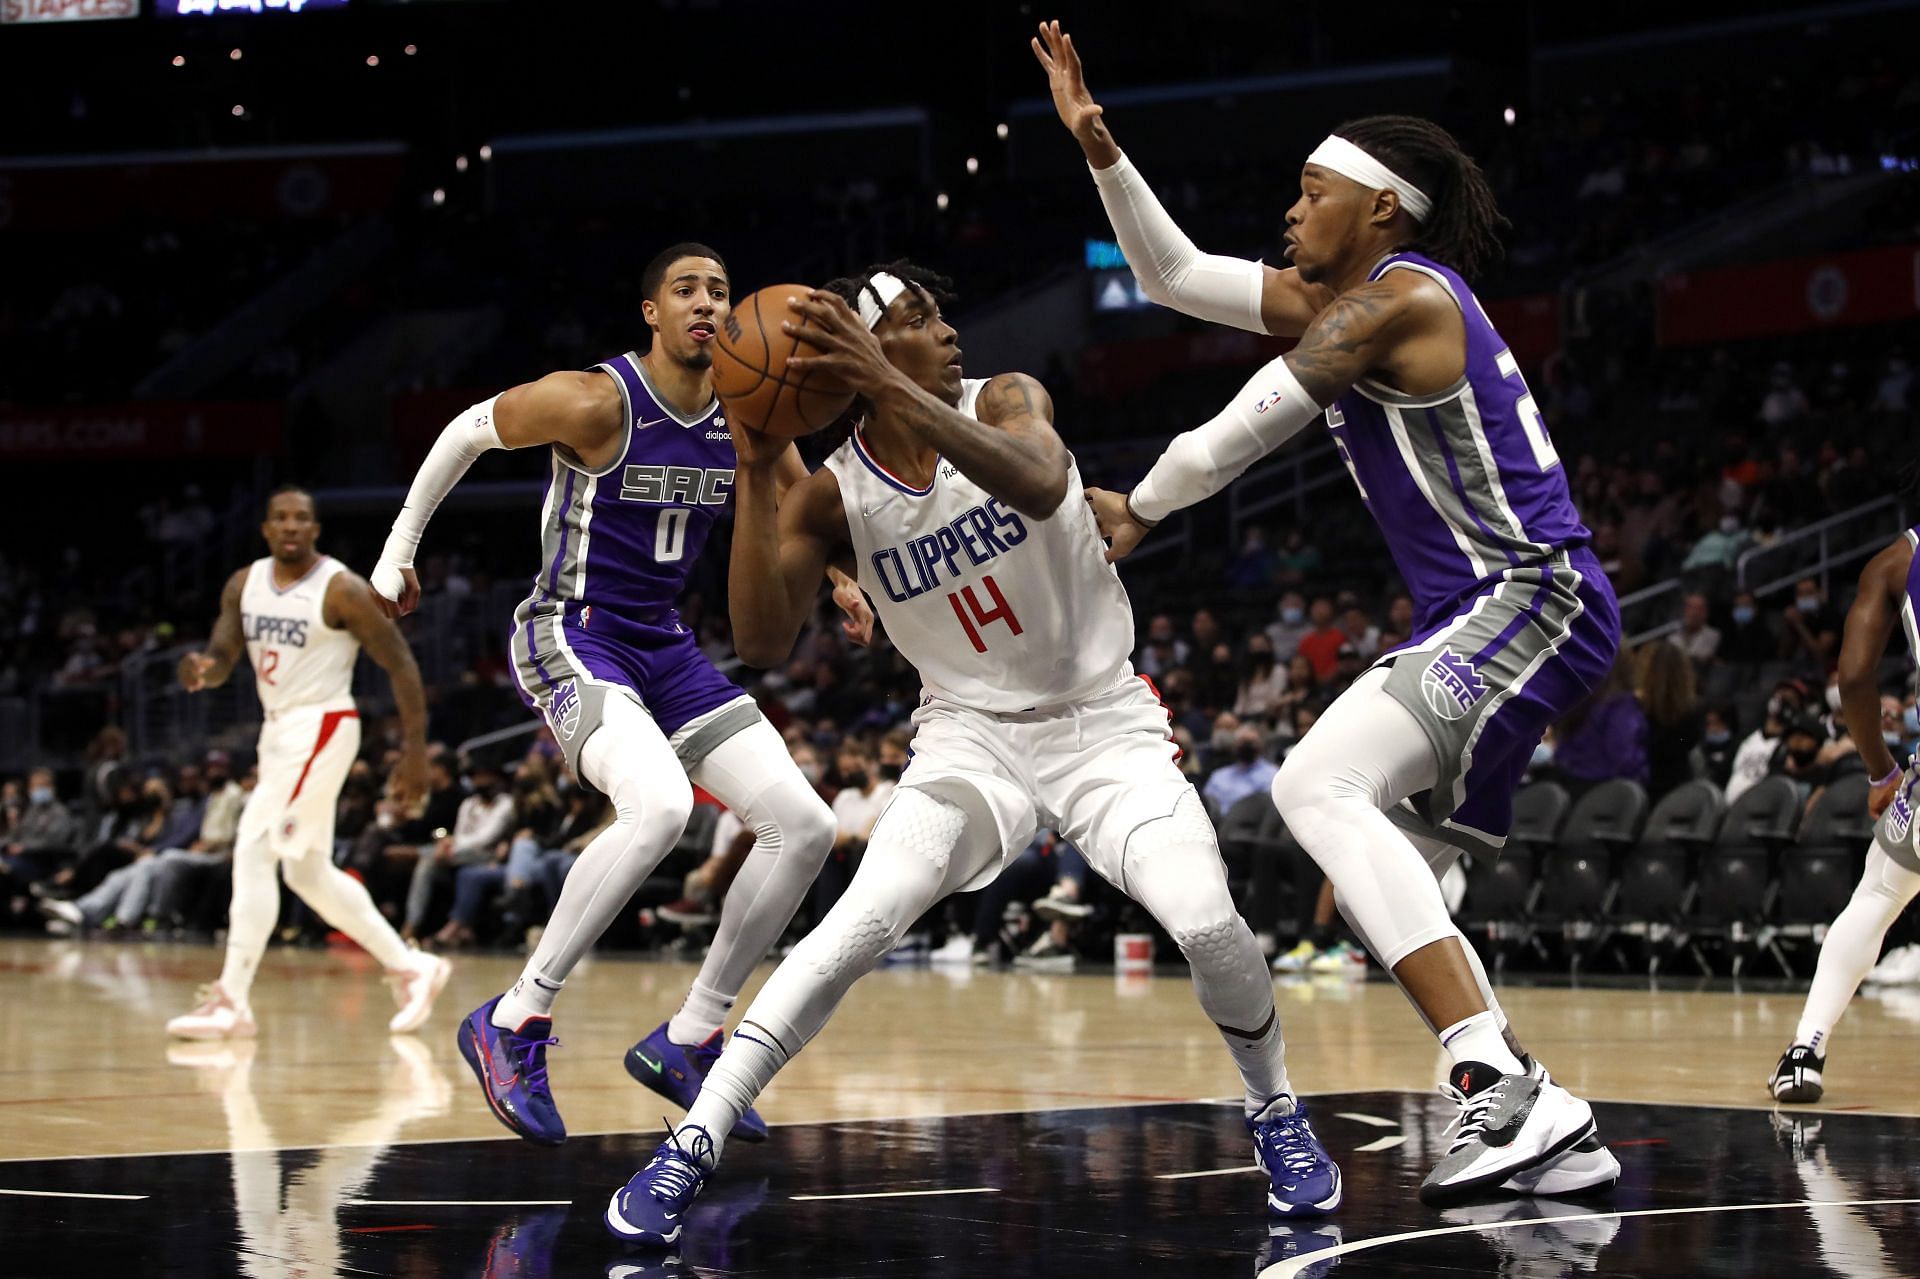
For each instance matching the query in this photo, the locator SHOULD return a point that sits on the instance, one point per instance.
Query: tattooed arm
(1012, 450)
(1354, 335)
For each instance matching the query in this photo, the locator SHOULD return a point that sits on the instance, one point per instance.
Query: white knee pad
(1173, 868)
(927, 825)
(871, 935)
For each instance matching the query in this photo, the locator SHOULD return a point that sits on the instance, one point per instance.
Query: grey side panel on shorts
(700, 743)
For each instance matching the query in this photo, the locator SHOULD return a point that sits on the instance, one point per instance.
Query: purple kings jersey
(1910, 606)
(623, 538)
(1464, 484)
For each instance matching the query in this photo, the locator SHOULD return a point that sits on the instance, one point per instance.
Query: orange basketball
(750, 369)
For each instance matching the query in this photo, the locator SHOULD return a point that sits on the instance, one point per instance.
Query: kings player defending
(640, 467)
(302, 618)
(965, 515)
(1516, 623)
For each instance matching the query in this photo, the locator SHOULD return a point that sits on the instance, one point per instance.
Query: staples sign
(24, 11)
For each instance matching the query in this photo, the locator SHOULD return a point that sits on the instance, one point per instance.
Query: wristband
(1891, 777)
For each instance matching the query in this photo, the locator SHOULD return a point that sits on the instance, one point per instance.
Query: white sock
(531, 996)
(752, 1058)
(1478, 1038)
(704, 1012)
(1262, 1060)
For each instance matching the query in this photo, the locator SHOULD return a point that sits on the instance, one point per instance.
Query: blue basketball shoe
(676, 1072)
(511, 1066)
(1305, 1180)
(651, 1209)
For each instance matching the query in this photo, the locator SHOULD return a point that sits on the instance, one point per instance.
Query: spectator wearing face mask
(1712, 758)
(1754, 758)
(1265, 681)
(1719, 548)
(1749, 637)
(1812, 630)
(1250, 773)
(479, 835)
(1798, 757)
(1289, 627)
(42, 838)
(856, 807)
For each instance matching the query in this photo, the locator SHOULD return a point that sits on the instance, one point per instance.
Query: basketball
(750, 369)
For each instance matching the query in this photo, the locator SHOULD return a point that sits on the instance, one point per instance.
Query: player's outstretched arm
(1171, 269)
(352, 606)
(1870, 624)
(781, 549)
(578, 411)
(1350, 337)
(210, 667)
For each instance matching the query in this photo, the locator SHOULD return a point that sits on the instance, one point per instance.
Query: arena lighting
(486, 153)
(973, 164)
(460, 163)
(1508, 115)
(411, 49)
(179, 60)
(233, 55)
(1000, 131)
(439, 196)
(373, 59)
(940, 201)
(239, 110)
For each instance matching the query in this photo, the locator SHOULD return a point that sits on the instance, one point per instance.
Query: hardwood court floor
(1054, 1104)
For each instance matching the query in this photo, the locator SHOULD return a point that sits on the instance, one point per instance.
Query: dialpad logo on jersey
(978, 536)
(1451, 685)
(281, 632)
(690, 485)
(564, 711)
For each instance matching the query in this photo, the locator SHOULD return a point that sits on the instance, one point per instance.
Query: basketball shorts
(569, 660)
(1894, 834)
(1486, 683)
(304, 757)
(1094, 771)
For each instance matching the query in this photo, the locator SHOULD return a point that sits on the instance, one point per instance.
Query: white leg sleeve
(1366, 753)
(752, 774)
(1853, 944)
(629, 759)
(254, 911)
(344, 902)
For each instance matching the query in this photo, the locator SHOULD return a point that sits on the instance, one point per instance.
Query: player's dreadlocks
(932, 284)
(1463, 231)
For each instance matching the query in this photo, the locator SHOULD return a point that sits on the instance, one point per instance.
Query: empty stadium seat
(1539, 811)
(1655, 878)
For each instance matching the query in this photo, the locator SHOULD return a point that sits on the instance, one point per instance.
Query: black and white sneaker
(1585, 1168)
(1797, 1079)
(1507, 1124)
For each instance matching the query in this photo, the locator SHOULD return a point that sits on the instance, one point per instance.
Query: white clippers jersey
(298, 660)
(997, 611)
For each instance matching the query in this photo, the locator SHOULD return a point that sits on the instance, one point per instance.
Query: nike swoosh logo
(647, 1061)
(868, 512)
(641, 425)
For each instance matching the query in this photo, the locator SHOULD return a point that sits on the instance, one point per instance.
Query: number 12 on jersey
(966, 607)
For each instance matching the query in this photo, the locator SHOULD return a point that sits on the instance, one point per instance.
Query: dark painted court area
(1085, 1192)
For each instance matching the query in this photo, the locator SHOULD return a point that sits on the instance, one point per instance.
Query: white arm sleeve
(1170, 269)
(1269, 410)
(464, 439)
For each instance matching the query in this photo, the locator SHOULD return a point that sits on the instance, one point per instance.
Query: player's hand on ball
(193, 671)
(1116, 522)
(753, 447)
(1067, 81)
(396, 590)
(407, 785)
(849, 352)
(853, 602)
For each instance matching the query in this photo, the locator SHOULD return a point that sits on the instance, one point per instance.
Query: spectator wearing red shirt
(1321, 645)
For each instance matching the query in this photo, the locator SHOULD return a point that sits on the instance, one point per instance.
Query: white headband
(889, 287)
(1349, 161)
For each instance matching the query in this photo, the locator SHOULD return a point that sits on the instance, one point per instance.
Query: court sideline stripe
(1295, 1265)
(629, 1132)
(456, 1203)
(900, 1194)
(65, 1194)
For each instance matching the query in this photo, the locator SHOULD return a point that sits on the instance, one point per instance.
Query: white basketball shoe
(1507, 1124)
(215, 1017)
(415, 987)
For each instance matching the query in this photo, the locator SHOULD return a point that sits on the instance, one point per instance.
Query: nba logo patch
(287, 828)
(564, 711)
(1451, 685)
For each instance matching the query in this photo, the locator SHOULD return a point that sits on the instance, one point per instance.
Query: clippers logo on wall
(23, 11)
(202, 8)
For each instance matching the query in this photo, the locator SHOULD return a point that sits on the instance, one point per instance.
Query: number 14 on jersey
(966, 607)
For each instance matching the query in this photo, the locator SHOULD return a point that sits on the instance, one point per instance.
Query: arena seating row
(1613, 875)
